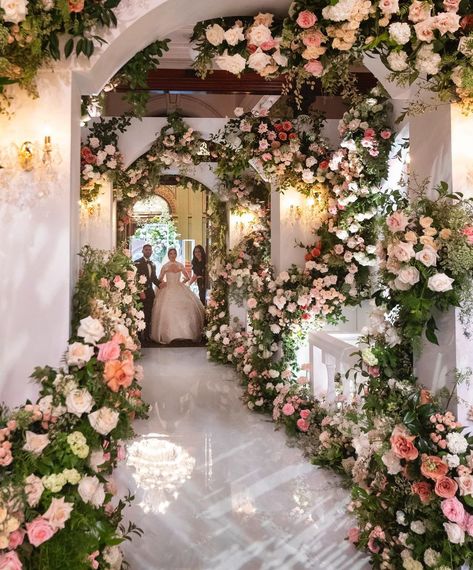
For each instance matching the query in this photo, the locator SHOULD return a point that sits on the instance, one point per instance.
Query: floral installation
(426, 258)
(240, 44)
(100, 156)
(30, 34)
(430, 40)
(58, 454)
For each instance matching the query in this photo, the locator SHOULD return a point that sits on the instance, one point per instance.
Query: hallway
(217, 488)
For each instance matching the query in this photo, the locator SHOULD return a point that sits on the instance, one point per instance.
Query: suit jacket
(142, 269)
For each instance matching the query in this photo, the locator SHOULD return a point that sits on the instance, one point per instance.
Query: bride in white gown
(177, 312)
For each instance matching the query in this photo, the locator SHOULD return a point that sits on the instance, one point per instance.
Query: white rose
(308, 176)
(259, 60)
(368, 357)
(456, 535)
(427, 256)
(104, 420)
(440, 283)
(259, 35)
(234, 35)
(452, 460)
(409, 275)
(431, 557)
(96, 459)
(45, 404)
(79, 402)
(110, 149)
(92, 491)
(215, 34)
(276, 329)
(35, 442)
(79, 354)
(279, 58)
(397, 60)
(233, 63)
(47, 5)
(94, 142)
(400, 33)
(15, 10)
(342, 234)
(238, 112)
(113, 557)
(91, 330)
(418, 527)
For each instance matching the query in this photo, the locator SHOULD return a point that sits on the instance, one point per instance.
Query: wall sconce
(310, 213)
(26, 172)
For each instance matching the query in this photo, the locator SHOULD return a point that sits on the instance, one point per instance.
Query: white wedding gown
(177, 312)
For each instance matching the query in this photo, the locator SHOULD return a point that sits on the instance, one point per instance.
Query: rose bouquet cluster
(237, 45)
(100, 156)
(427, 259)
(58, 454)
(431, 40)
(416, 511)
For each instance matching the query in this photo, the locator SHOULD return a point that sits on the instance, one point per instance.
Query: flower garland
(29, 36)
(57, 455)
(414, 39)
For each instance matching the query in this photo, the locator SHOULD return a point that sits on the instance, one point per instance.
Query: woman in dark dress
(199, 271)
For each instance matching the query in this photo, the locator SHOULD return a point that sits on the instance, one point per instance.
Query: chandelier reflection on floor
(161, 468)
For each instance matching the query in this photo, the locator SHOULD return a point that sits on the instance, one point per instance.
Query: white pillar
(291, 223)
(441, 149)
(99, 230)
(39, 243)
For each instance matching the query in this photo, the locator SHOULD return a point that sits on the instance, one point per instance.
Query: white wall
(39, 244)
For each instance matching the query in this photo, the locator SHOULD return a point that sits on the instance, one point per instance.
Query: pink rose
(445, 487)
(446, 22)
(369, 133)
(305, 414)
(468, 524)
(354, 534)
(397, 222)
(465, 482)
(10, 561)
(39, 530)
(306, 19)
(425, 30)
(314, 38)
(453, 510)
(108, 351)
(288, 409)
(302, 424)
(16, 539)
(389, 6)
(104, 283)
(451, 5)
(314, 67)
(376, 536)
(58, 513)
(33, 489)
(419, 11)
(468, 232)
(386, 134)
(270, 44)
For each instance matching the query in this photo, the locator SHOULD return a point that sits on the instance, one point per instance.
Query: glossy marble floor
(217, 488)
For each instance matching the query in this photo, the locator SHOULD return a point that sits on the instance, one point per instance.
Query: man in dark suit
(146, 267)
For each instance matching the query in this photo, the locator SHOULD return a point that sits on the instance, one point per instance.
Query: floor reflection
(216, 486)
(160, 470)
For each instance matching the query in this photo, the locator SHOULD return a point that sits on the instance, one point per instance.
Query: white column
(442, 149)
(99, 230)
(39, 244)
(289, 226)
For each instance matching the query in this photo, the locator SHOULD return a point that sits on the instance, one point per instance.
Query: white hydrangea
(427, 61)
(456, 443)
(397, 60)
(400, 33)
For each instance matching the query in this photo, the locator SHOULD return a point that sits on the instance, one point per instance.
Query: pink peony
(39, 530)
(453, 510)
(288, 409)
(306, 19)
(305, 414)
(354, 534)
(302, 424)
(10, 561)
(314, 67)
(108, 351)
